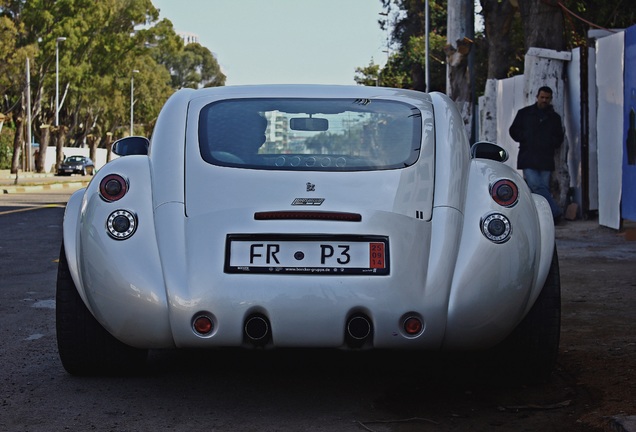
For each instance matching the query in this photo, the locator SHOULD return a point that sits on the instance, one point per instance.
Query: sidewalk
(38, 182)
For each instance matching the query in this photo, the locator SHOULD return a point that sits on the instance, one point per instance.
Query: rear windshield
(310, 134)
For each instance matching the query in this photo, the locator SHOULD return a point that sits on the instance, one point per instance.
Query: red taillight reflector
(413, 326)
(113, 187)
(505, 193)
(311, 215)
(203, 325)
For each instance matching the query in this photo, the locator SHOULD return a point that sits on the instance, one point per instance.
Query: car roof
(303, 90)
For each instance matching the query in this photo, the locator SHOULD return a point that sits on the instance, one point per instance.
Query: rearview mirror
(488, 150)
(309, 124)
(133, 145)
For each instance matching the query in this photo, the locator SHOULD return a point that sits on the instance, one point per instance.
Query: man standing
(538, 130)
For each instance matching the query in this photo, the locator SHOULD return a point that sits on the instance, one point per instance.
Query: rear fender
(546, 227)
(71, 239)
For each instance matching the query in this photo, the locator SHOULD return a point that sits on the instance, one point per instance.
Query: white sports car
(306, 216)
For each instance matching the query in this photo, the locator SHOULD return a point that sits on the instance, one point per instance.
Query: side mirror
(488, 150)
(133, 145)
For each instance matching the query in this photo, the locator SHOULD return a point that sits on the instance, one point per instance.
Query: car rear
(308, 218)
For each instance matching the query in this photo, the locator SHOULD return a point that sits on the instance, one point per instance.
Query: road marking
(32, 208)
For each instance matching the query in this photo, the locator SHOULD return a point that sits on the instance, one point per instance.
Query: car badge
(308, 201)
(311, 187)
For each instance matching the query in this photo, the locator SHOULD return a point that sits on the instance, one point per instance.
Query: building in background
(189, 38)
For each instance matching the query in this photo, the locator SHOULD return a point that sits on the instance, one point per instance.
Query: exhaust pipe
(359, 331)
(257, 329)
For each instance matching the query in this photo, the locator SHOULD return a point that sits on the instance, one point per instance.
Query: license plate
(307, 254)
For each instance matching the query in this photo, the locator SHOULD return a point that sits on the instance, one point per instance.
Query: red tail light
(413, 326)
(113, 187)
(505, 193)
(203, 325)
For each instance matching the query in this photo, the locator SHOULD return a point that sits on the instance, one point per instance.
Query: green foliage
(406, 21)
(583, 15)
(369, 75)
(6, 146)
(105, 41)
(406, 65)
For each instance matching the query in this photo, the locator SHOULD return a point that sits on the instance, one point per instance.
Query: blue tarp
(628, 197)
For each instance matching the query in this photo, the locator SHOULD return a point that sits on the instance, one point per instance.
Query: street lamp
(132, 102)
(57, 79)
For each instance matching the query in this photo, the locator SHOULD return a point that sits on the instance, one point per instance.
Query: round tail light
(496, 227)
(203, 325)
(505, 193)
(413, 326)
(121, 224)
(113, 187)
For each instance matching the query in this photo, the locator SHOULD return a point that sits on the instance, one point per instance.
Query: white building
(189, 38)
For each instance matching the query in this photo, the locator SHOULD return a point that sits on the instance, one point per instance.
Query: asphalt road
(237, 390)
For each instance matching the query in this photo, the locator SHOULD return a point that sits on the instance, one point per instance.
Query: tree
(104, 44)
(542, 24)
(195, 66)
(503, 57)
(460, 35)
(405, 67)
(369, 75)
(498, 25)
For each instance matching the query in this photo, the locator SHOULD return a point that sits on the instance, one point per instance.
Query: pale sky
(284, 41)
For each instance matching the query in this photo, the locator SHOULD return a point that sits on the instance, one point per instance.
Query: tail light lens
(505, 193)
(496, 227)
(413, 326)
(121, 224)
(113, 187)
(203, 325)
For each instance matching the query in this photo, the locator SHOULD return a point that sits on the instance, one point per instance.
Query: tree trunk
(45, 139)
(18, 142)
(60, 140)
(458, 83)
(106, 142)
(542, 22)
(93, 142)
(498, 18)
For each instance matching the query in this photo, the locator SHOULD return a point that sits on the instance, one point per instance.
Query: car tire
(530, 353)
(84, 346)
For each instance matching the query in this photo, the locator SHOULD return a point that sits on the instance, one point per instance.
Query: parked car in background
(343, 217)
(76, 165)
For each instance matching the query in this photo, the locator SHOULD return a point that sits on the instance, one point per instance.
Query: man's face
(544, 99)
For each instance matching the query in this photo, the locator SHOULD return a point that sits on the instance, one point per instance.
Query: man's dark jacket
(539, 133)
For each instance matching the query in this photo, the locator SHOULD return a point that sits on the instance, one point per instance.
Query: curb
(43, 187)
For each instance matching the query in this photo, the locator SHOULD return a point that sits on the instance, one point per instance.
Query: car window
(75, 159)
(310, 134)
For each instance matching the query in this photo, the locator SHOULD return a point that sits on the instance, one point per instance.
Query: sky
(284, 41)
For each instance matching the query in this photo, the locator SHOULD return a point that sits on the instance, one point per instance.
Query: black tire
(530, 353)
(84, 346)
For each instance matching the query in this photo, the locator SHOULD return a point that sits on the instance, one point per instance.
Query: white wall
(510, 99)
(609, 127)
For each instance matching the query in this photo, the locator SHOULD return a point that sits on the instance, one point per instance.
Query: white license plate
(297, 254)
